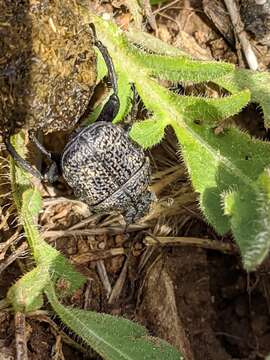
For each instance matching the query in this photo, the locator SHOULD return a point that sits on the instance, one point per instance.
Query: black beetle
(104, 167)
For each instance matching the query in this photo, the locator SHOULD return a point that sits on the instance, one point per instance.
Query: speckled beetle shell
(108, 171)
(48, 64)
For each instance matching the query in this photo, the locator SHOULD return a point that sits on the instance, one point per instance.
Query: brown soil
(198, 299)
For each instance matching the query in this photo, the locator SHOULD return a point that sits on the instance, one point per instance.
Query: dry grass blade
(190, 241)
(14, 256)
(166, 177)
(59, 200)
(102, 272)
(96, 255)
(5, 245)
(112, 230)
(118, 287)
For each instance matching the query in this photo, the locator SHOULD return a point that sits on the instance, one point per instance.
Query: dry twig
(239, 30)
(20, 336)
(118, 286)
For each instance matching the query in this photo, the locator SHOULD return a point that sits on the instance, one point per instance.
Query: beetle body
(108, 171)
(48, 64)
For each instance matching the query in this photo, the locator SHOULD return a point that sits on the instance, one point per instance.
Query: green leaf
(231, 195)
(156, 2)
(44, 254)
(112, 337)
(125, 94)
(95, 113)
(148, 132)
(183, 69)
(212, 111)
(153, 44)
(249, 211)
(256, 82)
(26, 294)
(20, 181)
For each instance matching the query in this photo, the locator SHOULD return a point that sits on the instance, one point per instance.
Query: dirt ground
(196, 296)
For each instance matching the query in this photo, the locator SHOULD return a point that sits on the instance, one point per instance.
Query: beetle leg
(34, 139)
(53, 172)
(111, 108)
(51, 175)
(21, 161)
(107, 58)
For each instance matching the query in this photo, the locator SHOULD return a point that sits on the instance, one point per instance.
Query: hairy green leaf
(45, 255)
(114, 338)
(229, 186)
(151, 43)
(212, 111)
(257, 82)
(155, 2)
(233, 81)
(148, 132)
(125, 94)
(183, 69)
(249, 212)
(27, 293)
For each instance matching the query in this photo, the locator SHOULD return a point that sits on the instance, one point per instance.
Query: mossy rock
(47, 64)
